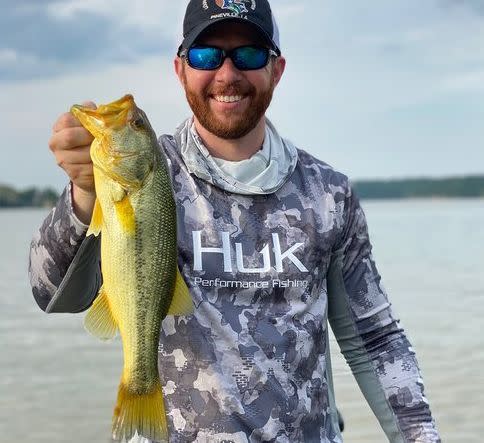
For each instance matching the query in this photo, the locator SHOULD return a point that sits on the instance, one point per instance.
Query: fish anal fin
(99, 320)
(96, 220)
(125, 214)
(182, 303)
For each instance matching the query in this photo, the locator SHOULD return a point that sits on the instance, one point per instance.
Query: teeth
(228, 98)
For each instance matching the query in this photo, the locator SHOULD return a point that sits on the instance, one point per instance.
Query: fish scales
(136, 214)
(146, 269)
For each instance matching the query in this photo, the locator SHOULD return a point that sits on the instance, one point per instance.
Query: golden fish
(136, 214)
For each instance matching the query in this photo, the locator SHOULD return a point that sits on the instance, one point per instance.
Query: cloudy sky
(377, 89)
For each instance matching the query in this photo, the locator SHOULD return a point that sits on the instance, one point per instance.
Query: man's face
(227, 102)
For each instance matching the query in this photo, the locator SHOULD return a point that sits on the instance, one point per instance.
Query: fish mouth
(113, 115)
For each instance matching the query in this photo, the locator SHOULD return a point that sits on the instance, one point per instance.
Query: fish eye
(137, 123)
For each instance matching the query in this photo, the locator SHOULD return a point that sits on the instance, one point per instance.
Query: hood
(281, 164)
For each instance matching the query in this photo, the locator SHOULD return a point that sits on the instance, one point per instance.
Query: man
(272, 244)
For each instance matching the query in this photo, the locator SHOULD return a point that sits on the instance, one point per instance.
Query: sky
(377, 89)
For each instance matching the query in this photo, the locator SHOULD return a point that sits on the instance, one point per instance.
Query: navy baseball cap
(201, 14)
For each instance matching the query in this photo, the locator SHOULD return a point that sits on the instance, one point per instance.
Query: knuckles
(67, 133)
(64, 121)
(60, 162)
(74, 173)
(52, 144)
(70, 138)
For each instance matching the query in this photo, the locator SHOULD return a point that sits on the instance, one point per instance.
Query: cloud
(476, 6)
(369, 89)
(70, 9)
(148, 15)
(464, 82)
(57, 37)
(8, 57)
(34, 105)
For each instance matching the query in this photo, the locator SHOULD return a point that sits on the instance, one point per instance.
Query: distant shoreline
(399, 189)
(28, 198)
(452, 187)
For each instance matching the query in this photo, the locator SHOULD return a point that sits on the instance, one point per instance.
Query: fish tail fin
(141, 414)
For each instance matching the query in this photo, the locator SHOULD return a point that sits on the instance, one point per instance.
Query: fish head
(125, 145)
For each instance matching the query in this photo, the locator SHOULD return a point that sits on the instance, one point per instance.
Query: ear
(178, 64)
(278, 69)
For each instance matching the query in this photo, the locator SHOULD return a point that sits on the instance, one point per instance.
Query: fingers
(79, 173)
(82, 176)
(70, 138)
(74, 156)
(67, 120)
(70, 143)
(89, 104)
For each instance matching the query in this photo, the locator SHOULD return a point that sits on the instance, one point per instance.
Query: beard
(233, 125)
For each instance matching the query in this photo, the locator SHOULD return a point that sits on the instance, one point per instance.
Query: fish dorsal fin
(125, 214)
(182, 303)
(96, 220)
(99, 320)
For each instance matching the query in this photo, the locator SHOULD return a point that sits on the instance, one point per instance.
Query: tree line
(31, 197)
(471, 186)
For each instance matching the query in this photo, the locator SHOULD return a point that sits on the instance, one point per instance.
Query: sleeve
(371, 338)
(64, 264)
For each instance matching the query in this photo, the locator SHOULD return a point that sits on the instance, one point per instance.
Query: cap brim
(195, 33)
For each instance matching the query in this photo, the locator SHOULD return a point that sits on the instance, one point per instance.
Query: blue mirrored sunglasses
(244, 58)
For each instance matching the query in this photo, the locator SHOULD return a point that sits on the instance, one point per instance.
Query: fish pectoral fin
(182, 303)
(117, 192)
(96, 220)
(99, 320)
(125, 214)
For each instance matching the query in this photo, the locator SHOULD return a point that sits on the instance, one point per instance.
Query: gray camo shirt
(267, 273)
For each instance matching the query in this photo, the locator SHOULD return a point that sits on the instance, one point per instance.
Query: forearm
(381, 359)
(395, 365)
(371, 338)
(82, 203)
(59, 250)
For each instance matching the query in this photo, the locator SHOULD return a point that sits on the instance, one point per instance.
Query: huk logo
(236, 6)
(226, 252)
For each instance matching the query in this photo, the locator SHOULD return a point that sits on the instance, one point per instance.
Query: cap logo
(236, 6)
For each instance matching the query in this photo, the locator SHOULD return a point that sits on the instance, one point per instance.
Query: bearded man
(272, 243)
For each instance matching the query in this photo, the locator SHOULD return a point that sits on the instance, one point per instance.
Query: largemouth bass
(136, 215)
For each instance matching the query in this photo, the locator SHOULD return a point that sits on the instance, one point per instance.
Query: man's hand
(70, 143)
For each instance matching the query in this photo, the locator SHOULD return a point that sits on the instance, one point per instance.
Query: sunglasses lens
(204, 57)
(245, 58)
(250, 57)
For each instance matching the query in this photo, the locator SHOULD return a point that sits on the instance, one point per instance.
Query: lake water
(58, 384)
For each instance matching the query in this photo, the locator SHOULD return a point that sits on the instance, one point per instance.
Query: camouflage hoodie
(266, 272)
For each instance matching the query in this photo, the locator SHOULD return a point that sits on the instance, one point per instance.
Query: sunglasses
(244, 58)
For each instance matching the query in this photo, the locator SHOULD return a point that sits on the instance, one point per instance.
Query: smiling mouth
(228, 98)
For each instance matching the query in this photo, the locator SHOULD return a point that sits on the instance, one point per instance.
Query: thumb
(89, 104)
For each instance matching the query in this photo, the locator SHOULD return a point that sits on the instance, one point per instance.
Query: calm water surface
(59, 384)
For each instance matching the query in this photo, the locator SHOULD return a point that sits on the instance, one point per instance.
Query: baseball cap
(201, 14)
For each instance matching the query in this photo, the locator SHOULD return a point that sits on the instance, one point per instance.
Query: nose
(228, 73)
